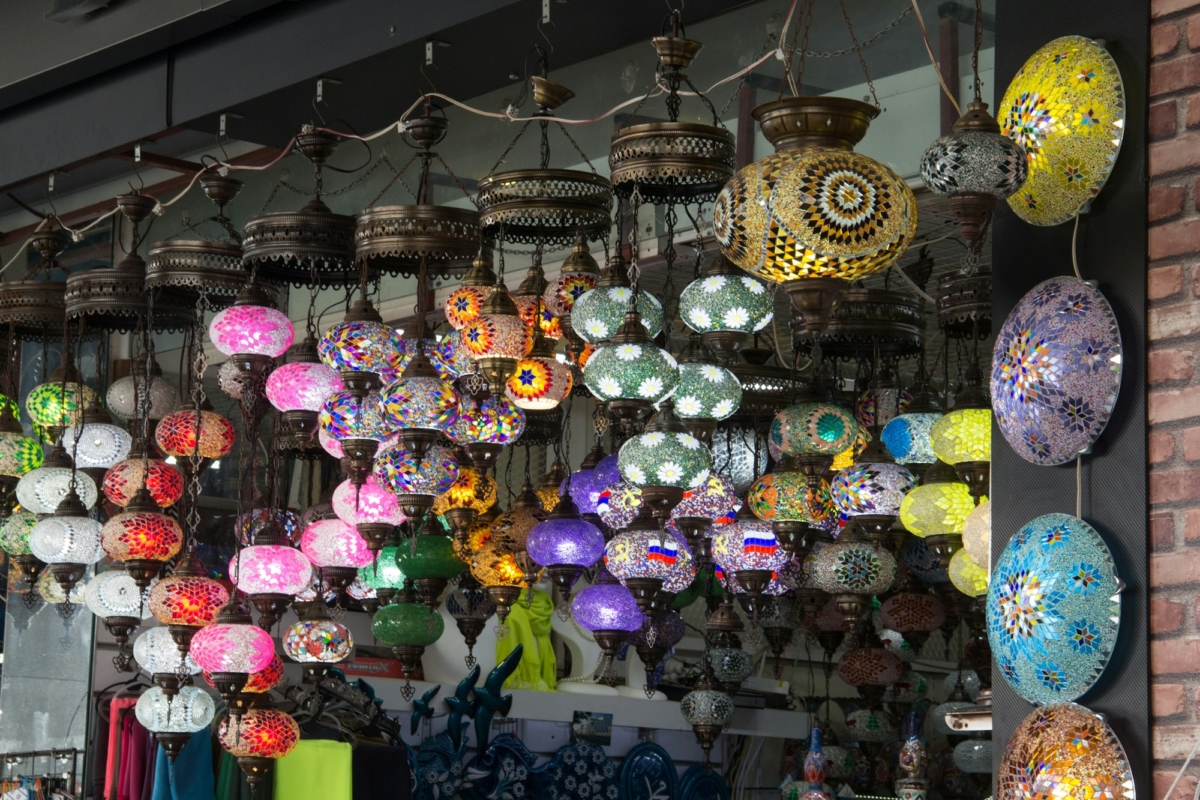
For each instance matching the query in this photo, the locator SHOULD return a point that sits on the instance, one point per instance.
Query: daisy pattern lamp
(631, 374)
(707, 393)
(726, 306)
(600, 313)
(664, 461)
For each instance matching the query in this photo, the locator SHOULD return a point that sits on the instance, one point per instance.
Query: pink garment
(138, 735)
(127, 751)
(114, 736)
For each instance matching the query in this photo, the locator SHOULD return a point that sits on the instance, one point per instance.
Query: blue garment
(191, 776)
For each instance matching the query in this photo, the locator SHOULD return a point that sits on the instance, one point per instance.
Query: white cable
(1183, 769)
(1074, 255)
(24, 244)
(912, 285)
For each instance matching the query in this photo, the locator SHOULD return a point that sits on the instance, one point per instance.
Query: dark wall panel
(1112, 250)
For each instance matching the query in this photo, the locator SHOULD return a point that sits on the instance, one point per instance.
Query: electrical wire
(933, 59)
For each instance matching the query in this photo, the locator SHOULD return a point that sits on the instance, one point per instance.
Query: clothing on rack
(318, 769)
(191, 776)
(118, 704)
(381, 773)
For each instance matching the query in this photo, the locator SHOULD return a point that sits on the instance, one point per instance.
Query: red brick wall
(1174, 400)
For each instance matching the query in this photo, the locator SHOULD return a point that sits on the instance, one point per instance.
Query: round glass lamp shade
(385, 573)
(320, 641)
(936, 508)
(564, 292)
(14, 533)
(141, 535)
(114, 594)
(787, 497)
(449, 357)
(19, 454)
(587, 484)
(51, 592)
(565, 541)
(53, 405)
(706, 390)
(232, 648)
(419, 402)
(812, 429)
(189, 711)
(599, 313)
(264, 680)
(606, 607)
(968, 677)
(346, 416)
(401, 471)
(967, 576)
(492, 421)
(471, 489)
(974, 756)
(814, 213)
(646, 554)
(726, 303)
(710, 500)
(122, 397)
(181, 435)
(974, 162)
(42, 489)
(163, 481)
(531, 309)
(853, 567)
(259, 733)
(869, 666)
(333, 543)
(362, 346)
(539, 383)
(271, 569)
(493, 566)
(187, 600)
(706, 707)
(464, 304)
(909, 438)
(619, 504)
(433, 557)
(871, 488)
(976, 533)
(369, 504)
(665, 459)
(963, 435)
(748, 544)
(156, 652)
(512, 528)
(495, 336)
(913, 611)
(66, 540)
(407, 625)
(868, 725)
(251, 330)
(632, 371)
(301, 386)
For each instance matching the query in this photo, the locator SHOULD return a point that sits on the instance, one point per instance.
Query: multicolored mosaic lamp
(748, 550)
(496, 338)
(416, 481)
(577, 276)
(18, 455)
(420, 405)
(257, 739)
(645, 559)
(464, 303)
(485, 427)
(871, 491)
(366, 352)
(853, 570)
(812, 433)
(407, 628)
(142, 537)
(317, 642)
(358, 425)
(540, 381)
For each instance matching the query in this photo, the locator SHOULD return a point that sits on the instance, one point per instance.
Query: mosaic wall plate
(1066, 752)
(1056, 371)
(1053, 609)
(1066, 109)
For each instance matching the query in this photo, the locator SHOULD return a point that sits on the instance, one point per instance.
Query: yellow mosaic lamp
(963, 437)
(814, 214)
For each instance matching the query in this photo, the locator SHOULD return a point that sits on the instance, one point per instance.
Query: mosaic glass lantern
(189, 711)
(974, 756)
(246, 329)
(748, 545)
(317, 641)
(588, 482)
(664, 459)
(606, 607)
(619, 504)
(18, 453)
(122, 396)
(566, 541)
(164, 482)
(257, 520)
(644, 561)
(141, 535)
(813, 433)
(853, 567)
(967, 576)
(870, 668)
(909, 437)
(416, 481)
(471, 489)
(41, 490)
(345, 415)
(714, 498)
(263, 569)
(539, 382)
(362, 344)
(259, 733)
(407, 628)
(936, 507)
(496, 339)
(976, 533)
(707, 711)
(14, 533)
(963, 435)
(599, 313)
(301, 386)
(187, 597)
(114, 594)
(725, 305)
(58, 405)
(224, 647)
(430, 564)
(492, 421)
(870, 726)
(419, 400)
(707, 390)
(464, 303)
(632, 371)
(156, 653)
(787, 497)
(871, 488)
(181, 434)
(385, 575)
(333, 543)
(914, 614)
(814, 209)
(67, 539)
(369, 504)
(577, 276)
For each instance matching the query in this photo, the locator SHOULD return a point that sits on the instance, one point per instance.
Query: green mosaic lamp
(664, 461)
(707, 393)
(408, 628)
(385, 575)
(726, 306)
(631, 374)
(430, 562)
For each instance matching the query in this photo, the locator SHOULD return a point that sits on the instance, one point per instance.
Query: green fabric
(226, 775)
(318, 769)
(530, 627)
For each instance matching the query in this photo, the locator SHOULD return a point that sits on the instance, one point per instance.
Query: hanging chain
(342, 190)
(508, 149)
(858, 52)
(670, 301)
(457, 182)
(975, 50)
(200, 365)
(635, 202)
(274, 191)
(578, 149)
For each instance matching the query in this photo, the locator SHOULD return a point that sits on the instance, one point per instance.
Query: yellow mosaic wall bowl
(1066, 109)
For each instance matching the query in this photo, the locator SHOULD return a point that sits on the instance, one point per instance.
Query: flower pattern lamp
(664, 461)
(631, 374)
(496, 338)
(707, 393)
(142, 537)
(230, 649)
(257, 739)
(725, 306)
